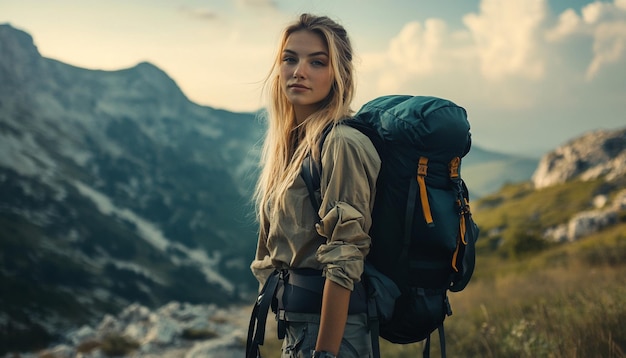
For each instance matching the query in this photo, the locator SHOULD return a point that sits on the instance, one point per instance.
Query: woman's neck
(303, 112)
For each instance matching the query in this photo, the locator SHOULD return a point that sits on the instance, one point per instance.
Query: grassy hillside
(566, 301)
(513, 220)
(529, 298)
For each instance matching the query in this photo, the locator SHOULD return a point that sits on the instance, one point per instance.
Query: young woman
(322, 305)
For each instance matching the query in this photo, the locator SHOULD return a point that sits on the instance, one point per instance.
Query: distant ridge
(486, 171)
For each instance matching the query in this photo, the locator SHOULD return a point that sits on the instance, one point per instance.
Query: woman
(311, 86)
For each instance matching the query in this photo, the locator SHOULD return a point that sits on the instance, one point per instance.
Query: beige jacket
(339, 243)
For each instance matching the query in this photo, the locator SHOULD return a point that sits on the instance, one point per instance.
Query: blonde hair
(286, 142)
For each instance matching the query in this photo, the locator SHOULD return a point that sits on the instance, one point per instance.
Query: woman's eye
(318, 63)
(289, 59)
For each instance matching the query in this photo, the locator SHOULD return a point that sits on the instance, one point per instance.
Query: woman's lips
(298, 86)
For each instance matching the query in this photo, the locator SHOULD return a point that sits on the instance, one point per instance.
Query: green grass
(565, 302)
(521, 203)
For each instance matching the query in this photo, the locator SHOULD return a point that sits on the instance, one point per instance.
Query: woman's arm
(350, 168)
(333, 319)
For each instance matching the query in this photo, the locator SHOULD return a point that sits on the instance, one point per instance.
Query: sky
(532, 74)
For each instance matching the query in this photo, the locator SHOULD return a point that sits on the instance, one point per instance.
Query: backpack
(423, 235)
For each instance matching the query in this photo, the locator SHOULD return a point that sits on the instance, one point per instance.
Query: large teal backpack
(422, 231)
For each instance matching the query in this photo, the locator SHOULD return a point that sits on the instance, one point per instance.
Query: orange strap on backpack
(422, 169)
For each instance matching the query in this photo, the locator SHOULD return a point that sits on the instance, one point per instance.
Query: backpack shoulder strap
(311, 174)
(311, 170)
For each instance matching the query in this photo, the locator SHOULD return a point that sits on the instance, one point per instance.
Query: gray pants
(302, 331)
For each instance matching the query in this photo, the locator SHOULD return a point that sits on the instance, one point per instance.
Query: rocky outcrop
(174, 330)
(599, 154)
(594, 155)
(591, 221)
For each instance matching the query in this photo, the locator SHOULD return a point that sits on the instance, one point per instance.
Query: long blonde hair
(286, 142)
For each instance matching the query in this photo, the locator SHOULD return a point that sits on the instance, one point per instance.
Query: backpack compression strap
(464, 210)
(422, 169)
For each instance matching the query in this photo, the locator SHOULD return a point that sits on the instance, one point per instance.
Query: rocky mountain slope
(172, 331)
(115, 189)
(598, 154)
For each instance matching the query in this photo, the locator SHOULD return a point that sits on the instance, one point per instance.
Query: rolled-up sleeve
(348, 185)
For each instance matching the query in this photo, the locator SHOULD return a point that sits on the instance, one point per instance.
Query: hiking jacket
(295, 237)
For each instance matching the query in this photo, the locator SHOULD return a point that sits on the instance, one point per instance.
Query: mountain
(485, 172)
(116, 189)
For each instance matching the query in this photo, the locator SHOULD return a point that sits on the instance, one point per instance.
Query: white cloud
(271, 4)
(417, 53)
(499, 54)
(603, 22)
(417, 48)
(506, 33)
(569, 22)
(592, 12)
(599, 12)
(199, 13)
(609, 46)
(609, 34)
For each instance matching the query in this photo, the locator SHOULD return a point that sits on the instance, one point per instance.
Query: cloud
(417, 47)
(271, 4)
(500, 42)
(609, 34)
(603, 22)
(569, 23)
(199, 13)
(505, 34)
(506, 49)
(609, 47)
(498, 54)
(418, 52)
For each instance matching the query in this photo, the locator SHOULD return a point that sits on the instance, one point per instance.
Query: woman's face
(305, 72)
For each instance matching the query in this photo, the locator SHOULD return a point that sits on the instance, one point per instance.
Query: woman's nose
(298, 72)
